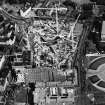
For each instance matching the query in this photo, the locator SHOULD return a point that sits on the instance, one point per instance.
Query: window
(94, 79)
(101, 84)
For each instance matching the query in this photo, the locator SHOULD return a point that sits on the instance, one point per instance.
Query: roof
(33, 75)
(44, 74)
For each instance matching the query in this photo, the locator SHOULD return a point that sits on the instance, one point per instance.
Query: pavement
(39, 95)
(21, 96)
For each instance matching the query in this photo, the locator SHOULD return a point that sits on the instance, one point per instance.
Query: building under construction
(52, 52)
